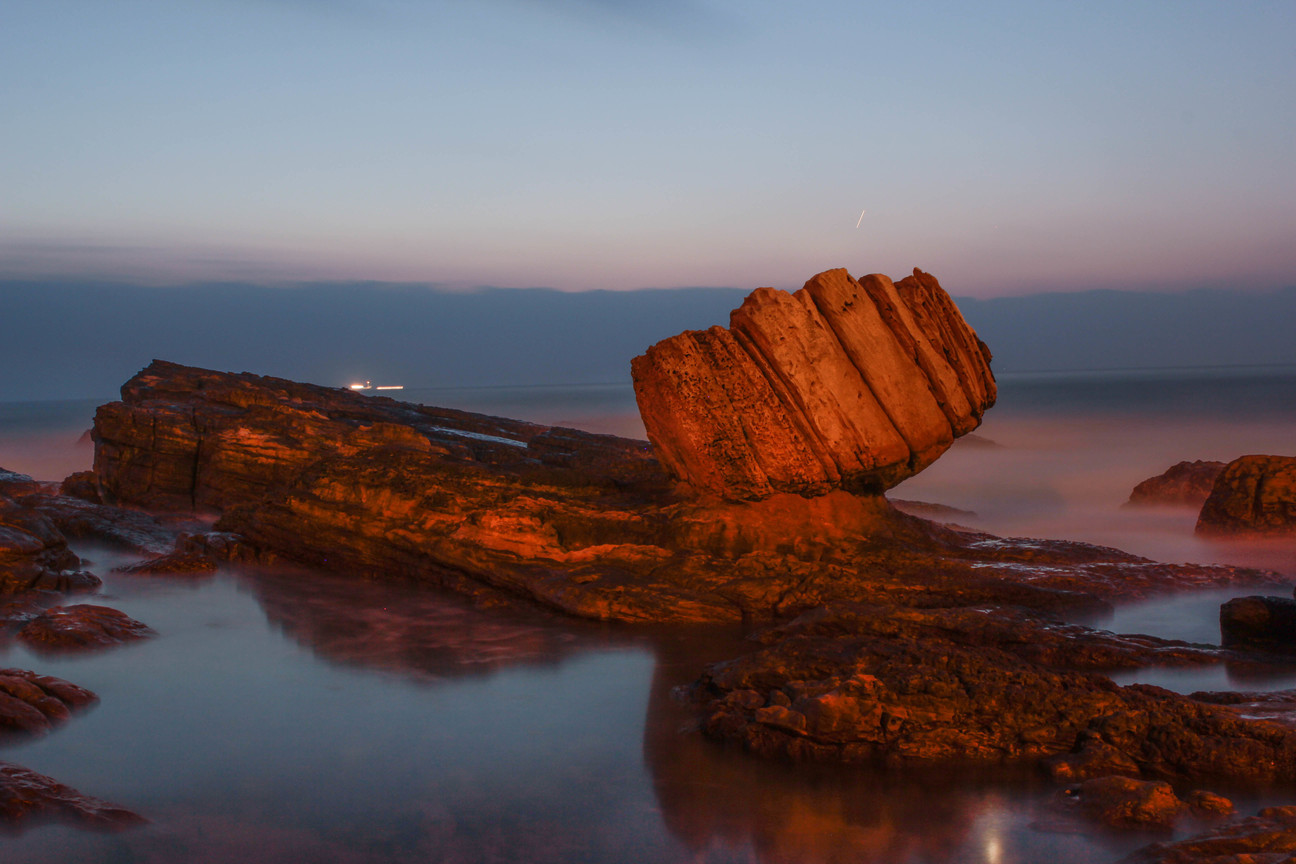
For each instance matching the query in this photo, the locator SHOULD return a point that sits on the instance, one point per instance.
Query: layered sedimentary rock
(844, 384)
(1254, 496)
(588, 524)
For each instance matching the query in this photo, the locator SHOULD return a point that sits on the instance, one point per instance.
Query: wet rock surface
(1254, 496)
(844, 384)
(1124, 802)
(28, 798)
(1185, 484)
(905, 686)
(32, 704)
(82, 627)
(34, 555)
(115, 526)
(1267, 838)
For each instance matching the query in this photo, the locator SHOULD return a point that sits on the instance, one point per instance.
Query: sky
(1007, 147)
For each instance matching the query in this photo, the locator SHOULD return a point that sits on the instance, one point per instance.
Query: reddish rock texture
(28, 798)
(1187, 484)
(32, 704)
(34, 555)
(1263, 623)
(844, 384)
(884, 686)
(1254, 496)
(1269, 838)
(587, 524)
(82, 627)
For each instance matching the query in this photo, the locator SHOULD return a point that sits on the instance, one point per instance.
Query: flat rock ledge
(82, 627)
(28, 799)
(590, 525)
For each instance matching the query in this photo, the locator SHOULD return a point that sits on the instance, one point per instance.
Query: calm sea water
(290, 715)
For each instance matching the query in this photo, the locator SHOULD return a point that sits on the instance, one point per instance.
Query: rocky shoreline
(879, 637)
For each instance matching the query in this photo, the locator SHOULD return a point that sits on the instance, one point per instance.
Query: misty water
(287, 715)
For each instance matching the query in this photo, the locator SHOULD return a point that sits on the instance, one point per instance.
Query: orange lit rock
(1253, 496)
(844, 384)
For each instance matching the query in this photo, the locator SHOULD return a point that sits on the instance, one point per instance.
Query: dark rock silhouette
(1185, 484)
(1263, 623)
(28, 798)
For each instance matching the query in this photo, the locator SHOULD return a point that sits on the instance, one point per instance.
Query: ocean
(285, 715)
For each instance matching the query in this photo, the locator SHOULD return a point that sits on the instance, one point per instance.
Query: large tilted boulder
(1186, 484)
(844, 384)
(1253, 496)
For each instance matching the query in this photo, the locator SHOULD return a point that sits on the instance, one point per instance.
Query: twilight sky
(1008, 147)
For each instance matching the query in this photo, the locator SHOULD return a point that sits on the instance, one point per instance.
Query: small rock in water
(81, 627)
(1266, 623)
(33, 704)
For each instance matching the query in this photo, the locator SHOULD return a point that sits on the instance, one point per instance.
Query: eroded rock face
(1254, 496)
(1186, 484)
(1264, 623)
(844, 384)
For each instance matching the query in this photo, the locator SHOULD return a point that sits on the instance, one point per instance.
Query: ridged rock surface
(844, 384)
(1253, 496)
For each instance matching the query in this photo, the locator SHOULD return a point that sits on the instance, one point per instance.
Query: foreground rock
(1123, 802)
(1186, 484)
(34, 555)
(28, 798)
(587, 524)
(1254, 496)
(844, 384)
(882, 686)
(1269, 838)
(32, 704)
(82, 627)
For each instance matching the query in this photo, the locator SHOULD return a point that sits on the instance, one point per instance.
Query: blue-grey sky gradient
(1009, 147)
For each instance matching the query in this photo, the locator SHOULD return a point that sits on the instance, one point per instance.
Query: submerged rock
(28, 798)
(1254, 496)
(1268, 838)
(82, 627)
(844, 384)
(1186, 484)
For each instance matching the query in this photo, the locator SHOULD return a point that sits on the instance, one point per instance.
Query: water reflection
(412, 630)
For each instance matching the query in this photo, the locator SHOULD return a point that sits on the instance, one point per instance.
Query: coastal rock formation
(80, 627)
(1254, 496)
(587, 524)
(34, 555)
(844, 384)
(28, 798)
(1186, 484)
(894, 687)
(1123, 802)
(1263, 623)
